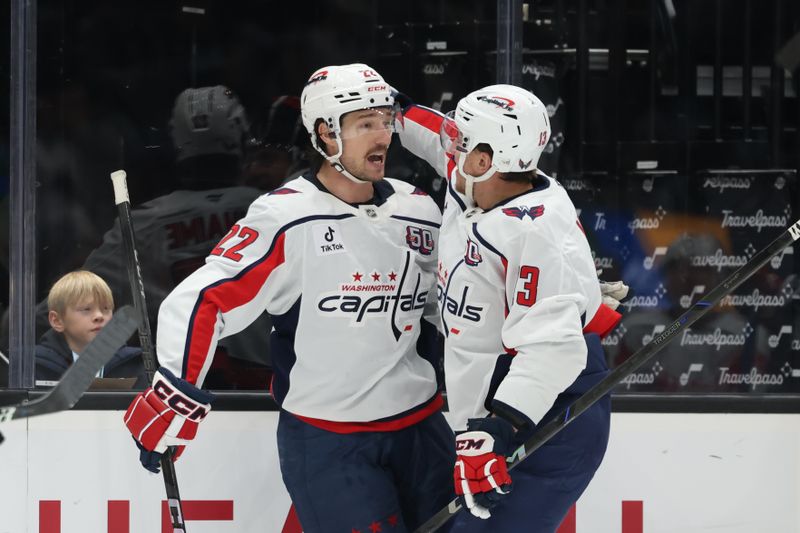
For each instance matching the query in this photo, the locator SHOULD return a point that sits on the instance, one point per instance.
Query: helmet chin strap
(337, 164)
(470, 180)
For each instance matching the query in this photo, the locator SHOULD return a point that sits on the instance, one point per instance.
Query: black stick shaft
(708, 301)
(145, 337)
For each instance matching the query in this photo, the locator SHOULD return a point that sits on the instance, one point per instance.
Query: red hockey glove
(480, 475)
(166, 414)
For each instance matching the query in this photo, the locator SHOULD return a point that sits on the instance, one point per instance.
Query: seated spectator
(79, 305)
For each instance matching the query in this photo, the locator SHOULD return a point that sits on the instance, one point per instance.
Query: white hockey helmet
(208, 120)
(336, 90)
(510, 119)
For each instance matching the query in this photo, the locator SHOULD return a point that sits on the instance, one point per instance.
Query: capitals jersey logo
(522, 212)
(473, 254)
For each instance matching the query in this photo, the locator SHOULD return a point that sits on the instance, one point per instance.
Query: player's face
(366, 136)
(81, 323)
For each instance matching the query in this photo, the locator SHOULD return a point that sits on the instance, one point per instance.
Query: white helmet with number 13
(510, 119)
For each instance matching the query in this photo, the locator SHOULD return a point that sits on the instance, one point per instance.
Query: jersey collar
(540, 183)
(382, 190)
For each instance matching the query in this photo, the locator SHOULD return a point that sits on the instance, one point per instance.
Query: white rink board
(692, 473)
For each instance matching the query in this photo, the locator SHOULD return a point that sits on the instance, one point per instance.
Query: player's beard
(365, 169)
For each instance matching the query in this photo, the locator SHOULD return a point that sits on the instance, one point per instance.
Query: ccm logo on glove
(166, 414)
(179, 403)
(469, 444)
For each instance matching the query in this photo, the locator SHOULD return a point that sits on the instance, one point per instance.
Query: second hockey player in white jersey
(344, 261)
(521, 310)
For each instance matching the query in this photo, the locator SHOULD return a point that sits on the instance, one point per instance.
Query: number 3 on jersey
(530, 283)
(247, 236)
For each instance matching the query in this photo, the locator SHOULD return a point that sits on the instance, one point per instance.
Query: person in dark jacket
(80, 304)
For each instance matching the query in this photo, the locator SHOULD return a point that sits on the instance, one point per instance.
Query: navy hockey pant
(373, 481)
(549, 481)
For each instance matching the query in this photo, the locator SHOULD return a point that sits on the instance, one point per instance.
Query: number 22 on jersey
(230, 250)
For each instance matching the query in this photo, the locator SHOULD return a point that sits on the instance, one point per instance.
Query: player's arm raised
(420, 134)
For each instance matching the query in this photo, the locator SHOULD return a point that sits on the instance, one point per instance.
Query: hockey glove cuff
(166, 414)
(480, 474)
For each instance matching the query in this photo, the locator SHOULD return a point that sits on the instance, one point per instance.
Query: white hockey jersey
(516, 279)
(346, 287)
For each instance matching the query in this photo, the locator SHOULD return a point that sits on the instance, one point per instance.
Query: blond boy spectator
(79, 305)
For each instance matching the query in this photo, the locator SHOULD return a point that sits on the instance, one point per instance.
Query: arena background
(675, 132)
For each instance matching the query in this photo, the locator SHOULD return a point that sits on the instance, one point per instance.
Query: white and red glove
(166, 414)
(613, 292)
(480, 475)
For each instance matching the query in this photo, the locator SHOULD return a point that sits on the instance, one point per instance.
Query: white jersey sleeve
(243, 275)
(547, 300)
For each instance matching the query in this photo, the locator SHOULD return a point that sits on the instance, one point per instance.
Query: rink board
(77, 472)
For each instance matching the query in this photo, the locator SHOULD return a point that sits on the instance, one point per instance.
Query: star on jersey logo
(522, 212)
(375, 276)
(392, 276)
(357, 276)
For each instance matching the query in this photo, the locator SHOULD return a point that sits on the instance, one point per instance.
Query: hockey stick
(79, 376)
(121, 198)
(708, 301)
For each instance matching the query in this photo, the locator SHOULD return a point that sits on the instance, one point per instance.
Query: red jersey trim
(604, 320)
(420, 413)
(222, 297)
(425, 118)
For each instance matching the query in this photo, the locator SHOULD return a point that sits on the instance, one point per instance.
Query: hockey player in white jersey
(344, 261)
(521, 311)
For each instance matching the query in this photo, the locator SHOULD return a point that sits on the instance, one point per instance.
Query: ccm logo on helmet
(499, 101)
(317, 76)
(369, 73)
(179, 403)
(376, 88)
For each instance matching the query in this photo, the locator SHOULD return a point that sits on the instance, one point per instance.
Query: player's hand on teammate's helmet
(166, 414)
(480, 474)
(401, 99)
